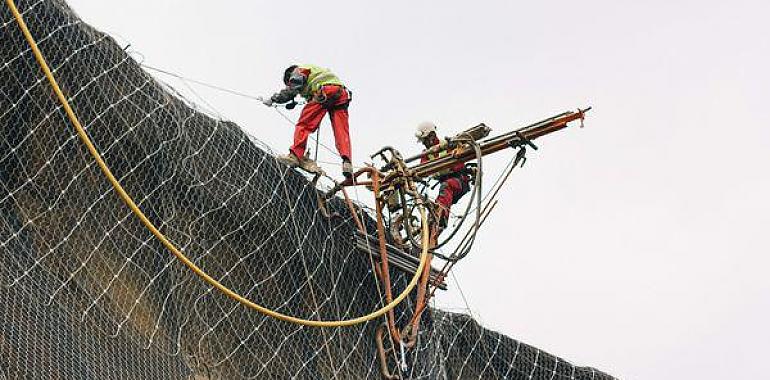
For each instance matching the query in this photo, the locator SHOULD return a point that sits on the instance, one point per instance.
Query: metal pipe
(353, 212)
(499, 143)
(375, 175)
(400, 262)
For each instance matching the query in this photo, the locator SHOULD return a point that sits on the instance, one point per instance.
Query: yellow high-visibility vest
(317, 78)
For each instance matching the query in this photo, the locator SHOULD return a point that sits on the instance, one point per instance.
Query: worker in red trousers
(325, 93)
(455, 181)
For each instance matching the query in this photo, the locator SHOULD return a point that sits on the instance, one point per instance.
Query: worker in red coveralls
(325, 93)
(455, 181)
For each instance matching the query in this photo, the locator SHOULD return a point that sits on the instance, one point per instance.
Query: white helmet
(424, 129)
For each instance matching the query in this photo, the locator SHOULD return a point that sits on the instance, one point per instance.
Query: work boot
(309, 165)
(305, 163)
(288, 159)
(347, 169)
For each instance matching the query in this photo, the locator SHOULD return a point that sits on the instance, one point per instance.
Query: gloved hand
(267, 101)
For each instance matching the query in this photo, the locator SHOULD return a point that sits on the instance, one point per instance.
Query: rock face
(88, 293)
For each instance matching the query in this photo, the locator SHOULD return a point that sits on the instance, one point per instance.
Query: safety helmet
(424, 129)
(287, 74)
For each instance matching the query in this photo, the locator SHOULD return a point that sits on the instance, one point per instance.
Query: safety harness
(330, 102)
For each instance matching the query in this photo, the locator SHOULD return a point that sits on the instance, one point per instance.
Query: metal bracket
(521, 141)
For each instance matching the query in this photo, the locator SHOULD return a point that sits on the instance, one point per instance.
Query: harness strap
(328, 102)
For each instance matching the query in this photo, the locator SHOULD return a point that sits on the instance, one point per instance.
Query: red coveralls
(312, 115)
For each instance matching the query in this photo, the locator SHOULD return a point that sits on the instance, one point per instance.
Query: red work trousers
(312, 115)
(452, 189)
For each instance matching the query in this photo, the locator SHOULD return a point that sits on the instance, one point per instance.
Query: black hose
(475, 195)
(466, 246)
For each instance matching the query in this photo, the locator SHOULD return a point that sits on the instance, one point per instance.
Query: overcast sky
(637, 245)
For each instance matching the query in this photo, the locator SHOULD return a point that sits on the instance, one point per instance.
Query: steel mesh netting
(88, 292)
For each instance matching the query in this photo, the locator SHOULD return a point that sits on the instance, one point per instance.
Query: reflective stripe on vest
(317, 78)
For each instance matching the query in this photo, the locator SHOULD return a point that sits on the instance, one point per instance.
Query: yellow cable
(169, 245)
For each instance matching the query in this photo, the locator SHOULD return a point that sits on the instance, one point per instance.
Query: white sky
(637, 245)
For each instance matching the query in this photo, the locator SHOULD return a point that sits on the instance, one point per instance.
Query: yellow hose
(169, 245)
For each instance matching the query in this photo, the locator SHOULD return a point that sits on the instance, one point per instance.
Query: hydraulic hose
(475, 195)
(128, 200)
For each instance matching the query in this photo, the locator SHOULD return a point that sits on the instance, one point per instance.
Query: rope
(167, 243)
(317, 141)
(212, 86)
(243, 95)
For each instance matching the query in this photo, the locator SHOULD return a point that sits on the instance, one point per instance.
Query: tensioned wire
(243, 95)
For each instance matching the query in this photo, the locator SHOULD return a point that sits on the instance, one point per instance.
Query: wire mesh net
(89, 293)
